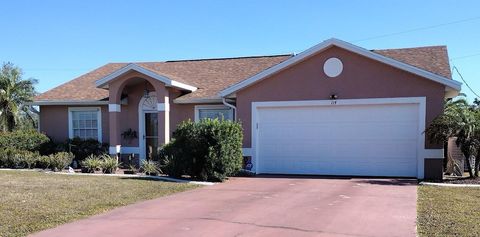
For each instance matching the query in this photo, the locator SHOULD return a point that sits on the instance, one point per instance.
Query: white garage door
(366, 140)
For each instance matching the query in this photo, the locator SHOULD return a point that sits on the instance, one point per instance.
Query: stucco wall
(179, 113)
(129, 112)
(54, 121)
(361, 78)
(54, 118)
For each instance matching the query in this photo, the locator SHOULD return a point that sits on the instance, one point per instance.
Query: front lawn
(447, 211)
(33, 201)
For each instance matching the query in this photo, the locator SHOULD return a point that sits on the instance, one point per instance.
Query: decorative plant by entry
(91, 164)
(109, 164)
(129, 135)
(150, 167)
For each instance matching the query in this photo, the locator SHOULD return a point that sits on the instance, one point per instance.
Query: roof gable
(451, 84)
(103, 82)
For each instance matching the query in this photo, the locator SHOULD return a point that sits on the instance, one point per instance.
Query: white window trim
(99, 118)
(199, 107)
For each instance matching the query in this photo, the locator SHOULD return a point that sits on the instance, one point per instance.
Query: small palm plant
(15, 93)
(462, 121)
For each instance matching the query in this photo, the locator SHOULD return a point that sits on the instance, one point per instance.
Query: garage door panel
(383, 149)
(347, 167)
(370, 130)
(378, 140)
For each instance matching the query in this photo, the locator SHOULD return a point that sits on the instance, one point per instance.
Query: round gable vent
(333, 67)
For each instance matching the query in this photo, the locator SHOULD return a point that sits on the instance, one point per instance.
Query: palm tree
(459, 120)
(15, 93)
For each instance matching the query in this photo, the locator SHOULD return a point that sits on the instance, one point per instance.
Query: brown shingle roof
(213, 75)
(208, 75)
(431, 58)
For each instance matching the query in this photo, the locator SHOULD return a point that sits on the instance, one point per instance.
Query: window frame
(218, 106)
(80, 109)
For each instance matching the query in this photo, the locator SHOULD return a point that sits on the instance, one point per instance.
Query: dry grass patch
(34, 201)
(448, 211)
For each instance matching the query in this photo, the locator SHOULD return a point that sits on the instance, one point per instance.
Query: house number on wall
(333, 102)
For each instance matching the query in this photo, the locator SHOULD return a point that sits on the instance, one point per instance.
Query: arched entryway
(138, 103)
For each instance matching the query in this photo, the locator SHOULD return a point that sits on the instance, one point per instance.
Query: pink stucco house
(334, 109)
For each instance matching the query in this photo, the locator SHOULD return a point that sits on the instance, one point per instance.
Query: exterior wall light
(333, 96)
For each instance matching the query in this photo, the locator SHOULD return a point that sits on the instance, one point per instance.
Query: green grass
(446, 211)
(33, 201)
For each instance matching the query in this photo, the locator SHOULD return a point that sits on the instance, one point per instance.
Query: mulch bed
(461, 180)
(447, 179)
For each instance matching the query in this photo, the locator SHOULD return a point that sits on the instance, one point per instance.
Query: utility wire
(418, 29)
(458, 72)
(465, 56)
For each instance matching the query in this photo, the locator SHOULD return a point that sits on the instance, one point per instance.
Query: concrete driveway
(265, 206)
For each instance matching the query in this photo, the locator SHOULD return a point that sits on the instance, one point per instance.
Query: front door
(151, 136)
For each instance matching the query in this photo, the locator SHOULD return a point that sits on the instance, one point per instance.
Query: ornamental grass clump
(91, 164)
(109, 164)
(150, 167)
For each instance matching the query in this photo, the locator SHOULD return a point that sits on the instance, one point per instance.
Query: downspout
(224, 101)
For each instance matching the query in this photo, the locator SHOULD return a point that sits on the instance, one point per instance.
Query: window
(213, 112)
(85, 123)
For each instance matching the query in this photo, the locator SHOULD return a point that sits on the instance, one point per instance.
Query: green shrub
(60, 160)
(43, 162)
(150, 167)
(25, 140)
(17, 159)
(10, 158)
(51, 147)
(176, 161)
(109, 164)
(7, 157)
(92, 163)
(30, 159)
(25, 159)
(208, 150)
(3, 158)
(83, 148)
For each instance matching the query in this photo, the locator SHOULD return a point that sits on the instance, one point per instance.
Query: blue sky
(56, 41)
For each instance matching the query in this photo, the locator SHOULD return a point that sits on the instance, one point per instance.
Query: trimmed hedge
(207, 150)
(25, 140)
(18, 159)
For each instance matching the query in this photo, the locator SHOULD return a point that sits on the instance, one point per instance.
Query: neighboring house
(334, 109)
